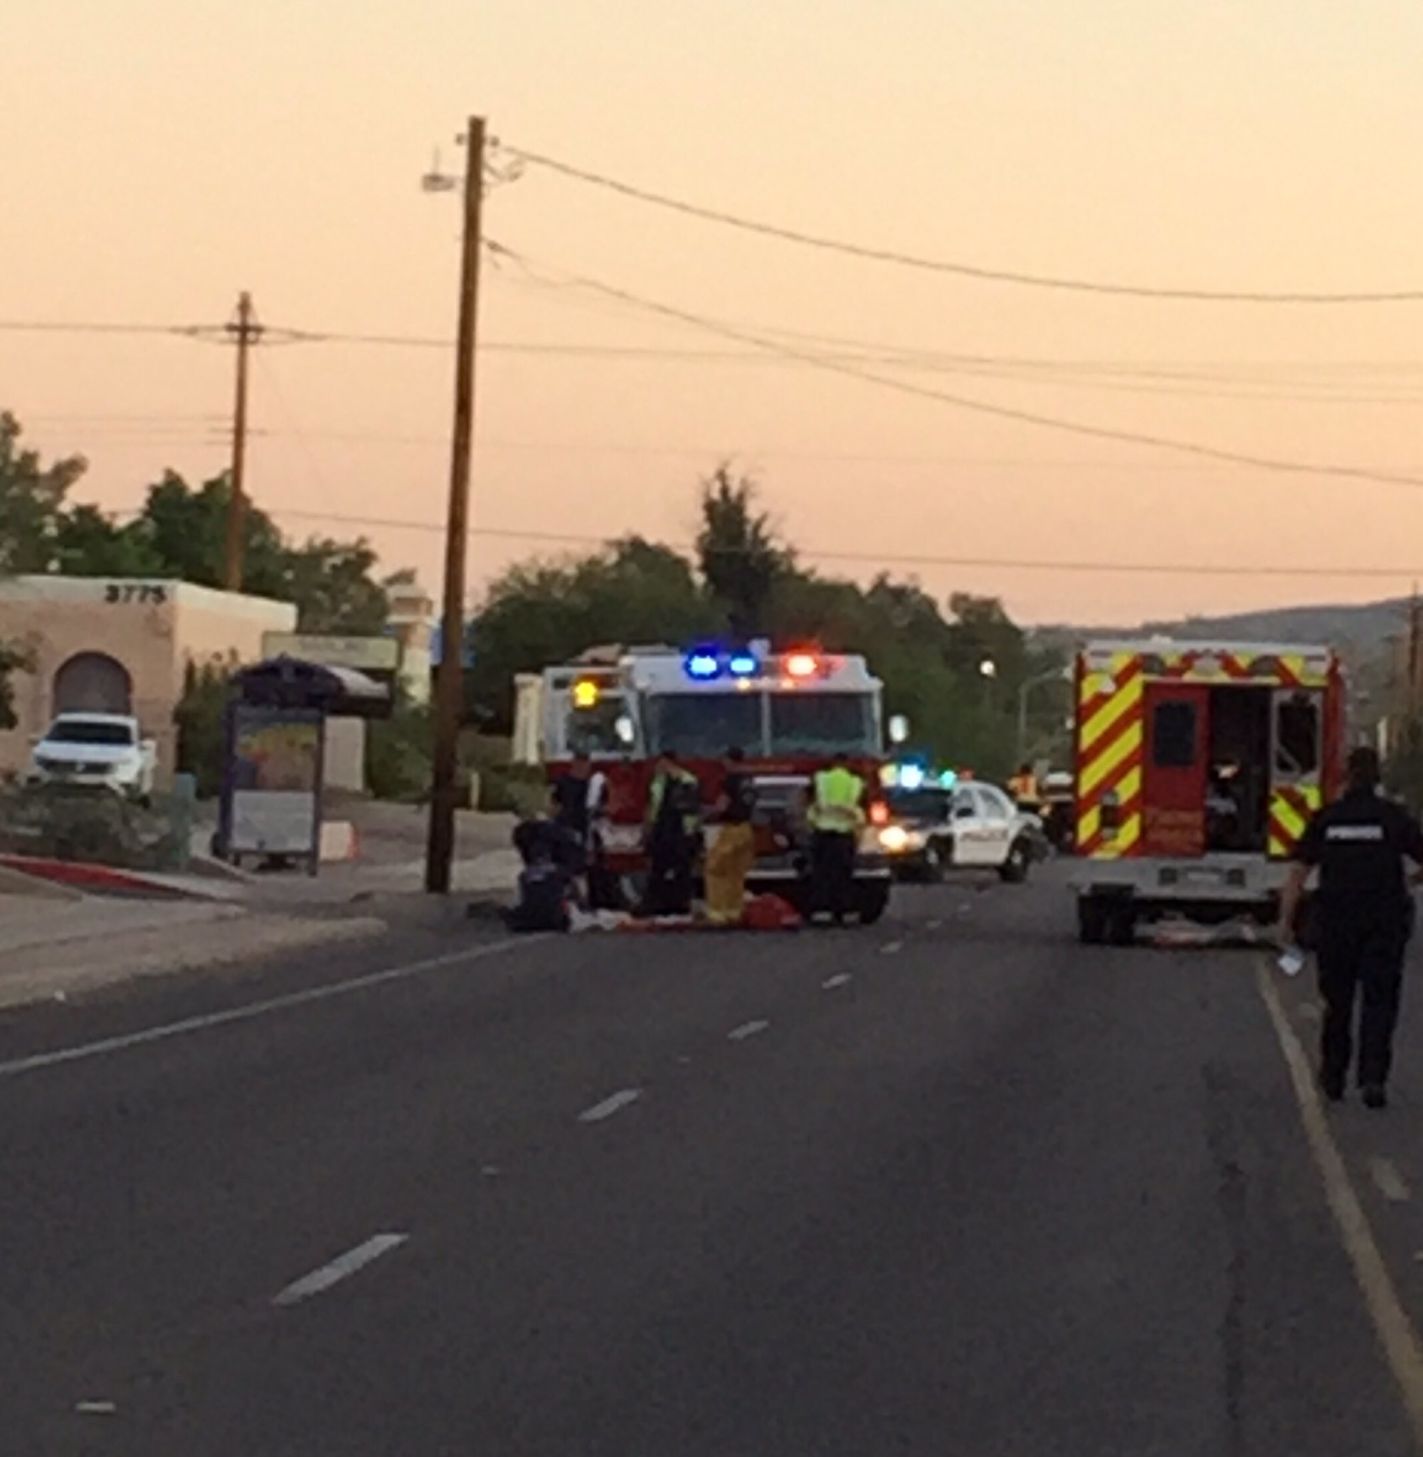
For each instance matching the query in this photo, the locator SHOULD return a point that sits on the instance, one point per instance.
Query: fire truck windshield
(704, 725)
(594, 731)
(818, 723)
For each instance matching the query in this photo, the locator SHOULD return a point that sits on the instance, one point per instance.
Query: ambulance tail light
(1111, 812)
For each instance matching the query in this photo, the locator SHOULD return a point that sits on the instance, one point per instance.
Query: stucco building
(122, 646)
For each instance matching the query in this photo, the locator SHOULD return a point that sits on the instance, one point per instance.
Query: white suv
(102, 750)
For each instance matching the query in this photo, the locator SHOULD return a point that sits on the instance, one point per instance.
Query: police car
(934, 826)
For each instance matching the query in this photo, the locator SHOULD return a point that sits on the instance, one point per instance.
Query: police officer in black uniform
(1365, 915)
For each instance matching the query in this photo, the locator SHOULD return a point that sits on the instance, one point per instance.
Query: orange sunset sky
(163, 154)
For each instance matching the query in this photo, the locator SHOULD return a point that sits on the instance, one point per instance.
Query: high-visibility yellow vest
(836, 807)
(661, 783)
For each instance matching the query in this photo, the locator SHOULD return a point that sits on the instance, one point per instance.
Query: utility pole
(449, 677)
(246, 331)
(1415, 654)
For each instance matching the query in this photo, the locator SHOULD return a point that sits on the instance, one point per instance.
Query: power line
(1265, 384)
(1120, 378)
(938, 265)
(1195, 569)
(985, 407)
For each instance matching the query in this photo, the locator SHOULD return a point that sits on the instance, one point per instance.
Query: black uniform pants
(833, 865)
(1366, 962)
(671, 860)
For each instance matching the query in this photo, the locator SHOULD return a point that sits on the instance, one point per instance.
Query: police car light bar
(702, 665)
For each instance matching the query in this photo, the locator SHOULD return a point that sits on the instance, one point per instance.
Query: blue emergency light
(702, 665)
(911, 776)
(743, 665)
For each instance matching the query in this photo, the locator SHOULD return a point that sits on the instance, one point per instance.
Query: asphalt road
(950, 1185)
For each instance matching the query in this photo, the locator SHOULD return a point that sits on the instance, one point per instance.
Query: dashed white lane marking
(1396, 1333)
(747, 1029)
(890, 947)
(1389, 1182)
(934, 925)
(80, 1053)
(95, 1408)
(614, 1103)
(840, 979)
(341, 1268)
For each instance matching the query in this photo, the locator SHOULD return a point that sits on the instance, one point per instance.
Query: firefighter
(673, 824)
(836, 817)
(732, 853)
(1365, 917)
(1023, 787)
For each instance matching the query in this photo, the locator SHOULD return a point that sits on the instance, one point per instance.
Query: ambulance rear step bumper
(1215, 880)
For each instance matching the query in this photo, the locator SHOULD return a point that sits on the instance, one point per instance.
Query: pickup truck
(102, 750)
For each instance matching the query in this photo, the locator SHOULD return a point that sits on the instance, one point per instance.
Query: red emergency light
(802, 665)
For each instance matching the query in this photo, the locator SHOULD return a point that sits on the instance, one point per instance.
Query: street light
(1057, 675)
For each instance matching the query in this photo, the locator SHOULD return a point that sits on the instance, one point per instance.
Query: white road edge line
(840, 979)
(747, 1029)
(1396, 1332)
(1389, 1182)
(339, 1269)
(610, 1105)
(21, 1065)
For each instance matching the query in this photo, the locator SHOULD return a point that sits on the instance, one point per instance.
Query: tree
(13, 659)
(331, 583)
(201, 717)
(543, 612)
(89, 543)
(737, 553)
(32, 497)
(185, 528)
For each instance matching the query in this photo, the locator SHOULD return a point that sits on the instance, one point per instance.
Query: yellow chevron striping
(1125, 700)
(1114, 754)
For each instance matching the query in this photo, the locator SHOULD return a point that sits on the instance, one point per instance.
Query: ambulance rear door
(1296, 765)
(1175, 769)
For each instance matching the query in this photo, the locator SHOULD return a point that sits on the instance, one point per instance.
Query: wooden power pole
(449, 677)
(245, 330)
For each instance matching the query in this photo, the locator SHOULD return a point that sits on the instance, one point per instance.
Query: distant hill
(1359, 632)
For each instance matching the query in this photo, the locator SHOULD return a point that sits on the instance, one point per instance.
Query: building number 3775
(142, 592)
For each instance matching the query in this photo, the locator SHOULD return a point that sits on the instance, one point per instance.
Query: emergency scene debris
(711, 730)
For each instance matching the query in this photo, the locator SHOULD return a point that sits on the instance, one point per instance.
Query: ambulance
(1197, 767)
(790, 713)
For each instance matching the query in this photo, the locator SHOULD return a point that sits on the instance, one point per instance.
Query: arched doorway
(93, 683)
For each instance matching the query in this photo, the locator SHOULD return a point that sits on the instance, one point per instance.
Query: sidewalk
(51, 951)
(57, 941)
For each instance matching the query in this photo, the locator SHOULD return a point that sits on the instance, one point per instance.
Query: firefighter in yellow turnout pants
(732, 852)
(836, 817)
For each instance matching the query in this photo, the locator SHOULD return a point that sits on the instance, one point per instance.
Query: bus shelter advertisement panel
(276, 780)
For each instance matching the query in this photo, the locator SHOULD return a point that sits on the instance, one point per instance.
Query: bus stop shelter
(274, 753)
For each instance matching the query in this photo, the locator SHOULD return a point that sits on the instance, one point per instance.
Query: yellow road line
(1396, 1333)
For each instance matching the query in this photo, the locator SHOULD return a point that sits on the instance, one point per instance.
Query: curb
(33, 887)
(80, 875)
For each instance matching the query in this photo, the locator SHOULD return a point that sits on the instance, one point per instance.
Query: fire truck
(789, 713)
(1197, 766)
